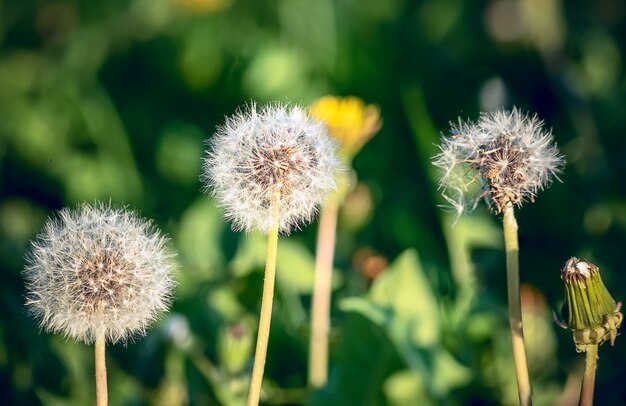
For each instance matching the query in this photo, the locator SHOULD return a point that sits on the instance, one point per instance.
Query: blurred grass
(112, 100)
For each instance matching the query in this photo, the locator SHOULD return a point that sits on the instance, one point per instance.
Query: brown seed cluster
(101, 280)
(504, 168)
(270, 169)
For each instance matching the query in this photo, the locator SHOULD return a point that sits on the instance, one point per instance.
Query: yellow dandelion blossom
(350, 121)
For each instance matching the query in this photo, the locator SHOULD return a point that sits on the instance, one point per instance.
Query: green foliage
(112, 100)
(402, 303)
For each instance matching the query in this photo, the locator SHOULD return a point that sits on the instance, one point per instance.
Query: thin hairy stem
(102, 397)
(264, 319)
(515, 306)
(320, 317)
(589, 379)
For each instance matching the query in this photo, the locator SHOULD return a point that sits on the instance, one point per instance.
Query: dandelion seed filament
(505, 156)
(278, 155)
(97, 271)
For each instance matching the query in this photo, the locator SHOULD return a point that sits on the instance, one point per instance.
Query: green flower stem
(101, 373)
(515, 306)
(320, 317)
(589, 379)
(264, 318)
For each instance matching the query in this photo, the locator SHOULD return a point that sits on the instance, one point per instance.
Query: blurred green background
(114, 99)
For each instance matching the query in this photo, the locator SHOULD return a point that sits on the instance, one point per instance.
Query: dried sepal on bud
(505, 156)
(589, 309)
(98, 271)
(270, 167)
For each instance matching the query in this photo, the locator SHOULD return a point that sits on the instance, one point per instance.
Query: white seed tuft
(506, 157)
(273, 166)
(98, 271)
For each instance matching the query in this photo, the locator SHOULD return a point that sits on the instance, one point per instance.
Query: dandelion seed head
(96, 270)
(273, 166)
(505, 157)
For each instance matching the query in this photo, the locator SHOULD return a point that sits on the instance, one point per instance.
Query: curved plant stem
(320, 317)
(101, 373)
(264, 318)
(515, 306)
(589, 379)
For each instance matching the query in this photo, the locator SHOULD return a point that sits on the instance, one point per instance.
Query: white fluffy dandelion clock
(98, 274)
(268, 167)
(270, 170)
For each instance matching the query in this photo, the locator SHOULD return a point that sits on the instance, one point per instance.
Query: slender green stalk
(515, 306)
(320, 317)
(264, 319)
(102, 397)
(589, 379)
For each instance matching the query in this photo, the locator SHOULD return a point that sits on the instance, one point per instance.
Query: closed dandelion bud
(506, 157)
(234, 346)
(270, 167)
(349, 120)
(98, 272)
(589, 310)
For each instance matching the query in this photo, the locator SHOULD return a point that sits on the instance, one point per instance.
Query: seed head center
(271, 167)
(504, 168)
(101, 281)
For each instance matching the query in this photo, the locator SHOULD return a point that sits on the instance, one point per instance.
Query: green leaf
(198, 239)
(409, 387)
(405, 387)
(449, 373)
(405, 289)
(295, 265)
(402, 299)
(469, 232)
(403, 304)
(250, 254)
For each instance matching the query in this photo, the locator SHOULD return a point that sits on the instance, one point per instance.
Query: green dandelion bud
(589, 309)
(234, 346)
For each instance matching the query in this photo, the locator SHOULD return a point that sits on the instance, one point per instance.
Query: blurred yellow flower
(350, 121)
(204, 6)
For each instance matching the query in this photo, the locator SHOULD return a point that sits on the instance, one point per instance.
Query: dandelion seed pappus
(268, 165)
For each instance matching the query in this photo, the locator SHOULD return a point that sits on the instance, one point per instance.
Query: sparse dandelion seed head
(267, 167)
(505, 156)
(96, 270)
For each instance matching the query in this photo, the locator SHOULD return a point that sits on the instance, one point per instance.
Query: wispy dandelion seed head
(505, 157)
(97, 271)
(273, 166)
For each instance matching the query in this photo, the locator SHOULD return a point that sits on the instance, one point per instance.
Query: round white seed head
(506, 157)
(98, 271)
(270, 167)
